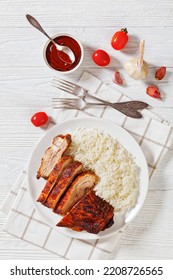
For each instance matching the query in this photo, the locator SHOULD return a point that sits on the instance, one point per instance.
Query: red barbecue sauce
(53, 55)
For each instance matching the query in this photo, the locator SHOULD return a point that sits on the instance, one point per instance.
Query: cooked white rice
(114, 165)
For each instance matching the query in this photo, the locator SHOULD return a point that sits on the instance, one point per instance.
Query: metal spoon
(64, 49)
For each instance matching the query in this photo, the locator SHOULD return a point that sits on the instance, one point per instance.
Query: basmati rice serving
(114, 165)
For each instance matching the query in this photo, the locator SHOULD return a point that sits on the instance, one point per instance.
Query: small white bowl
(79, 63)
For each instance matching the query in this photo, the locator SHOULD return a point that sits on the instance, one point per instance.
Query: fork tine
(64, 83)
(63, 88)
(63, 107)
(58, 83)
(63, 103)
(67, 83)
(56, 99)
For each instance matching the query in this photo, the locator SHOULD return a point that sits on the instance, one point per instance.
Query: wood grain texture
(88, 13)
(25, 87)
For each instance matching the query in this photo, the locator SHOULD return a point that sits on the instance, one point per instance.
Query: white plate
(35, 186)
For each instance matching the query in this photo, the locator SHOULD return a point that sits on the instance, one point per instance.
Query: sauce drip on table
(53, 55)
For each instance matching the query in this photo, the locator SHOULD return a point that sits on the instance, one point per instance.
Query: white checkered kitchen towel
(152, 133)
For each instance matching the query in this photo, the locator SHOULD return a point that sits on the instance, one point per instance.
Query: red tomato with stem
(120, 39)
(101, 58)
(39, 119)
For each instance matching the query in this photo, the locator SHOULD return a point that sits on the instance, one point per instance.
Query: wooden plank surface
(88, 13)
(25, 87)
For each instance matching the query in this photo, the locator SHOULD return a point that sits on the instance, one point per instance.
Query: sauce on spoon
(53, 55)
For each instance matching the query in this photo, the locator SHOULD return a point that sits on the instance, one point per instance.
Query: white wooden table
(25, 89)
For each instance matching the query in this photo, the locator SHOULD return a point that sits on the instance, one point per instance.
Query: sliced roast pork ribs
(91, 213)
(67, 176)
(79, 187)
(53, 154)
(54, 176)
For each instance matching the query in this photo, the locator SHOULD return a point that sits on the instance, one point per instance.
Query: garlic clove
(117, 79)
(160, 73)
(153, 91)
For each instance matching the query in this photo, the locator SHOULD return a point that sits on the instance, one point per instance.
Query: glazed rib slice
(91, 213)
(54, 176)
(64, 181)
(79, 187)
(51, 156)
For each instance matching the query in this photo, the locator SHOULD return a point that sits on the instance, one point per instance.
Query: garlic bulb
(137, 68)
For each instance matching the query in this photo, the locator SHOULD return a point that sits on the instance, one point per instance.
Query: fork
(79, 104)
(72, 103)
(129, 108)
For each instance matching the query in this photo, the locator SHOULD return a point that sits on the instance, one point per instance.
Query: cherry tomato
(39, 119)
(101, 58)
(120, 39)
